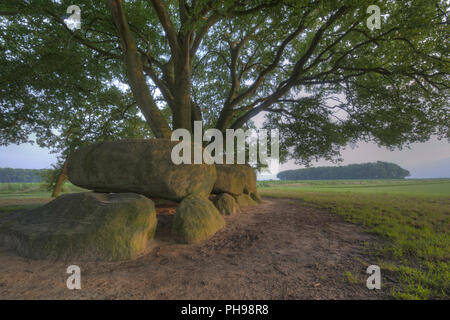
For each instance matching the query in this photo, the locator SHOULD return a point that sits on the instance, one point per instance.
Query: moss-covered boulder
(196, 219)
(244, 200)
(236, 179)
(226, 204)
(138, 166)
(255, 197)
(84, 226)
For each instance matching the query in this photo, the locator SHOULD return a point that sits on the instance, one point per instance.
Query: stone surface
(256, 197)
(226, 204)
(138, 166)
(196, 219)
(236, 179)
(83, 226)
(245, 200)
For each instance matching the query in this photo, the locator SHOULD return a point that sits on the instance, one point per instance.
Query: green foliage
(321, 75)
(55, 92)
(50, 177)
(416, 230)
(374, 170)
(385, 104)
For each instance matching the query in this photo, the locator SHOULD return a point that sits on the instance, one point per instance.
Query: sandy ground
(280, 249)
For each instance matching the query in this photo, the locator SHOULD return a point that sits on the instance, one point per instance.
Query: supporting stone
(84, 226)
(226, 204)
(196, 219)
(244, 200)
(236, 179)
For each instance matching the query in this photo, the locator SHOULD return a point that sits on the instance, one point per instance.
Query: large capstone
(138, 166)
(236, 179)
(196, 219)
(84, 226)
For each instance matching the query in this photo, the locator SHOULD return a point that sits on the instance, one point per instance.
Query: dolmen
(116, 220)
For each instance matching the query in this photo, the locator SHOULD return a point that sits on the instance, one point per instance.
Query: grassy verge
(417, 231)
(25, 196)
(33, 188)
(412, 187)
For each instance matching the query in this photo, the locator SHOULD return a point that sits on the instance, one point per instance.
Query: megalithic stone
(138, 166)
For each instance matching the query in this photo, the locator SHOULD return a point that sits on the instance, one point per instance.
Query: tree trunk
(60, 181)
(146, 104)
(182, 113)
(225, 117)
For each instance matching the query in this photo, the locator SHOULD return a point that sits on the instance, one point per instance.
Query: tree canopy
(322, 77)
(371, 170)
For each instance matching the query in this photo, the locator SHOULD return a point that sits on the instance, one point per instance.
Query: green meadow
(21, 196)
(411, 217)
(419, 187)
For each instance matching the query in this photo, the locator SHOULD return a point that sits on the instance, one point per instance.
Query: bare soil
(280, 249)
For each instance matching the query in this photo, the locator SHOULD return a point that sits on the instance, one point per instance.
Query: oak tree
(314, 68)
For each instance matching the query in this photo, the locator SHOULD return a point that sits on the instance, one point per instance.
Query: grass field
(431, 187)
(411, 216)
(21, 196)
(20, 189)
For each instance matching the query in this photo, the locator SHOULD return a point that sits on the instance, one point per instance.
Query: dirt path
(278, 250)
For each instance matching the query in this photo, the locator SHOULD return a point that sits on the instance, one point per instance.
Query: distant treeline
(372, 170)
(21, 175)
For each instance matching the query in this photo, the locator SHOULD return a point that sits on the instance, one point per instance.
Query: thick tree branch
(167, 25)
(301, 27)
(162, 86)
(235, 49)
(286, 85)
(212, 19)
(80, 39)
(135, 74)
(216, 16)
(256, 9)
